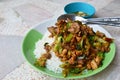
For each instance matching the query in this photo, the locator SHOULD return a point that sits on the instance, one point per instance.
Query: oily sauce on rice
(77, 46)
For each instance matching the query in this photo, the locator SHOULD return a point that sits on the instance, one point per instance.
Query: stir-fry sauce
(80, 13)
(77, 46)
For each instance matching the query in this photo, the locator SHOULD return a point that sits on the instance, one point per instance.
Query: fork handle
(109, 19)
(105, 23)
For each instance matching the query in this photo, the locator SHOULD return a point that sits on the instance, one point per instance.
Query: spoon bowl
(72, 17)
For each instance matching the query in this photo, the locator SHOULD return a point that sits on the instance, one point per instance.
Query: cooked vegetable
(68, 24)
(42, 60)
(77, 46)
(75, 70)
(57, 46)
(69, 37)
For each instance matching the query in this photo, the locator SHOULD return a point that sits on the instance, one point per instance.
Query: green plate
(38, 32)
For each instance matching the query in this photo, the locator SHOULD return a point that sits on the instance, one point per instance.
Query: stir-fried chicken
(77, 46)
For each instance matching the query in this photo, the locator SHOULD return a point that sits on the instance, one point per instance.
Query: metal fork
(111, 21)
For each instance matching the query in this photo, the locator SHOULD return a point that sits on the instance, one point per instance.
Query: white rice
(52, 63)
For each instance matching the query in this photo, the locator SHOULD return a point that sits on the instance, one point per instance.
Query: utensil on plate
(111, 21)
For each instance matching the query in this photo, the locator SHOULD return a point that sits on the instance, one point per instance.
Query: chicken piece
(47, 55)
(60, 22)
(79, 66)
(92, 50)
(71, 30)
(78, 38)
(105, 47)
(74, 28)
(47, 47)
(64, 52)
(89, 65)
(63, 59)
(108, 40)
(71, 60)
(78, 53)
(90, 31)
(42, 61)
(74, 55)
(72, 47)
(100, 34)
(80, 61)
(98, 60)
(57, 53)
(94, 64)
(73, 39)
(52, 30)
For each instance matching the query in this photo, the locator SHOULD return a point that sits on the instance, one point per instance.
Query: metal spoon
(112, 21)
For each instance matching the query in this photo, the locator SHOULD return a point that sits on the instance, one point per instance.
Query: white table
(17, 17)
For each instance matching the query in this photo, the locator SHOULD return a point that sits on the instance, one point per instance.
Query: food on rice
(72, 48)
(52, 63)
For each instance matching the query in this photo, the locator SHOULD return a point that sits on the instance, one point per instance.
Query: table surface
(17, 17)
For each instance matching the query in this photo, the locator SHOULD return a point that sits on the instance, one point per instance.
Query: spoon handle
(109, 19)
(105, 23)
